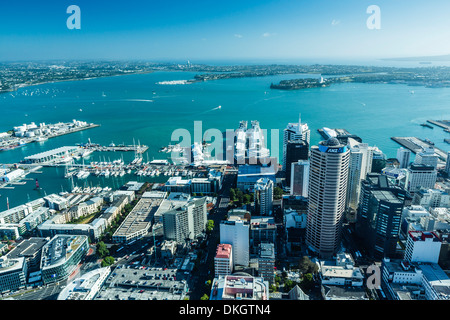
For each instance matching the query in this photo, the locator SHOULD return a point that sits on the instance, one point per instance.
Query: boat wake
(206, 111)
(137, 100)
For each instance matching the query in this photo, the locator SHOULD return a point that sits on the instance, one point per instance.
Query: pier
(416, 145)
(445, 124)
(122, 148)
(26, 134)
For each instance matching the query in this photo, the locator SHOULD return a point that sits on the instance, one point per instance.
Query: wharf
(416, 145)
(137, 149)
(72, 130)
(445, 124)
(14, 142)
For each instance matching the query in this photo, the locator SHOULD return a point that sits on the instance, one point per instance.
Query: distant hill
(445, 57)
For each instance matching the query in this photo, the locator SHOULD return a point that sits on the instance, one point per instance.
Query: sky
(197, 30)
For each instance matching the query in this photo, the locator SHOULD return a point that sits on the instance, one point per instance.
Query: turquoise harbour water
(136, 107)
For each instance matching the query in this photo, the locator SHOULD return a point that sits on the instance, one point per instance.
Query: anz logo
(335, 150)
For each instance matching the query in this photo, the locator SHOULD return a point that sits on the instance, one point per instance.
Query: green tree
(208, 285)
(232, 194)
(307, 282)
(378, 165)
(204, 297)
(273, 288)
(288, 285)
(107, 261)
(102, 250)
(239, 198)
(307, 266)
(247, 198)
(277, 193)
(209, 226)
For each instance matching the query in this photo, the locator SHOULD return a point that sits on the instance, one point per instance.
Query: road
(205, 272)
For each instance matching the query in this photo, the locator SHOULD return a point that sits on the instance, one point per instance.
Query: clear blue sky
(218, 30)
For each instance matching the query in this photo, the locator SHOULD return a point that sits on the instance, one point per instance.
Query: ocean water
(137, 107)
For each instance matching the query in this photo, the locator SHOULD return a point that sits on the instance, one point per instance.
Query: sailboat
(83, 174)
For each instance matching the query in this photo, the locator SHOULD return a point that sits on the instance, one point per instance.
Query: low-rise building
(61, 256)
(86, 287)
(239, 286)
(31, 250)
(12, 175)
(262, 229)
(431, 198)
(404, 280)
(10, 230)
(13, 273)
(223, 261)
(248, 175)
(341, 272)
(56, 202)
(422, 247)
(36, 218)
(14, 215)
(266, 262)
(138, 221)
(168, 249)
(85, 208)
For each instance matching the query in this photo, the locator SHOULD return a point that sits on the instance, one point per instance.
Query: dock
(44, 133)
(416, 145)
(137, 149)
(445, 124)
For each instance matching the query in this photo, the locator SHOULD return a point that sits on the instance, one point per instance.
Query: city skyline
(233, 151)
(233, 31)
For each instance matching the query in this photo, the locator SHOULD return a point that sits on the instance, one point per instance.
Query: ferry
(41, 139)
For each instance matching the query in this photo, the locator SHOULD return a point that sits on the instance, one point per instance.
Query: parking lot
(128, 282)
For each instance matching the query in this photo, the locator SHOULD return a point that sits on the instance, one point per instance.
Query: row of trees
(107, 235)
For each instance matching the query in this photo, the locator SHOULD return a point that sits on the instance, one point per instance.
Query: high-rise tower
(295, 132)
(327, 193)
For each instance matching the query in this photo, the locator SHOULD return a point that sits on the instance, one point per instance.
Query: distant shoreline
(21, 86)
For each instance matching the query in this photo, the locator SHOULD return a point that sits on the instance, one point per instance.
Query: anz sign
(327, 149)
